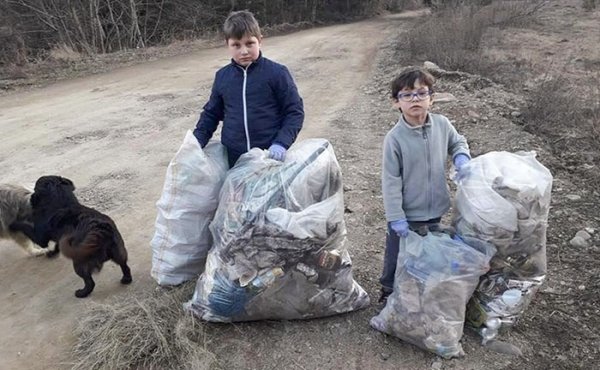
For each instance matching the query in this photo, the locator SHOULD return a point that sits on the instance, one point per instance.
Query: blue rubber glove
(460, 160)
(277, 152)
(400, 227)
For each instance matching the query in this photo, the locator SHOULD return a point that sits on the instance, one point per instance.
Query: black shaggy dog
(83, 234)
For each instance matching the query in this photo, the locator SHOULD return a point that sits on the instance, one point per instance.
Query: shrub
(64, 53)
(451, 39)
(589, 5)
(553, 102)
(452, 36)
(567, 113)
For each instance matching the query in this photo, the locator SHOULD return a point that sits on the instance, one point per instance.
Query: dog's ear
(68, 183)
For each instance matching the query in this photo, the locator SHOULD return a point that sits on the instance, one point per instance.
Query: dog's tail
(90, 238)
(77, 248)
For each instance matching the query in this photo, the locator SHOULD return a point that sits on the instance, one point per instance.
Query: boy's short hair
(408, 77)
(241, 23)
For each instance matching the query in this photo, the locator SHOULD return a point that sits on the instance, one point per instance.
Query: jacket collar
(426, 124)
(258, 61)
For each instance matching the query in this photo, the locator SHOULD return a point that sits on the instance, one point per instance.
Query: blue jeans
(392, 246)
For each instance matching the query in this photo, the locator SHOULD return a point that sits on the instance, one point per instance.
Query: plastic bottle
(264, 280)
(493, 323)
(512, 297)
(487, 334)
(490, 330)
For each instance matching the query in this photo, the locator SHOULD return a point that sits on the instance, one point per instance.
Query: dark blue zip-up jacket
(259, 105)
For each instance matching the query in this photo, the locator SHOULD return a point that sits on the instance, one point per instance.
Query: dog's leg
(126, 279)
(122, 262)
(52, 246)
(119, 256)
(37, 236)
(53, 252)
(31, 248)
(84, 271)
(25, 228)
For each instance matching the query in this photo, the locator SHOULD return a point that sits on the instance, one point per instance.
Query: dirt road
(113, 134)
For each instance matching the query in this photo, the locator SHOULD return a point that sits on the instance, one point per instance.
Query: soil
(113, 133)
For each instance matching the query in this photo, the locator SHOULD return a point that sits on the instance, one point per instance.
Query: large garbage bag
(186, 206)
(435, 277)
(504, 198)
(279, 236)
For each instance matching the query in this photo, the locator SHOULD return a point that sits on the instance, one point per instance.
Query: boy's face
(414, 103)
(245, 50)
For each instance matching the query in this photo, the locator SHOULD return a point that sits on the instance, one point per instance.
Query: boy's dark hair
(408, 77)
(239, 24)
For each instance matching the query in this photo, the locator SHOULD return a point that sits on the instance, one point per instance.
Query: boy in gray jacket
(415, 151)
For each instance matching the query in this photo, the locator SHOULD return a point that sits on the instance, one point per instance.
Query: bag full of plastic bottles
(435, 277)
(504, 198)
(185, 209)
(279, 241)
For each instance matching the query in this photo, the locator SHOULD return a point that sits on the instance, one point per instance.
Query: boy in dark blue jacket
(256, 98)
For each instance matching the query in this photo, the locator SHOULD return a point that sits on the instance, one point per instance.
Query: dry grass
(64, 53)
(451, 39)
(512, 13)
(452, 36)
(554, 102)
(559, 105)
(151, 332)
(567, 114)
(589, 5)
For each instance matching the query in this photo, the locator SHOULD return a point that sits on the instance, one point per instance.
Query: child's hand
(460, 160)
(277, 152)
(400, 227)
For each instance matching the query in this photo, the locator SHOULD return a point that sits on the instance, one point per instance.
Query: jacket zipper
(428, 156)
(245, 108)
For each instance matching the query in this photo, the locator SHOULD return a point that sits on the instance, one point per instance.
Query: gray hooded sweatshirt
(414, 168)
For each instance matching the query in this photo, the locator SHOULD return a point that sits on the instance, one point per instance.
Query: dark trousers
(232, 157)
(392, 246)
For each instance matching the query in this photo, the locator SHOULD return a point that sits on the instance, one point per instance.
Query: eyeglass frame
(412, 95)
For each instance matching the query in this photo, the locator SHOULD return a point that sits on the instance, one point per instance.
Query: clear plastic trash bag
(185, 209)
(435, 277)
(279, 236)
(504, 198)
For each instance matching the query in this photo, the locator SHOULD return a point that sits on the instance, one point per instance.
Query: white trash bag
(187, 205)
(279, 236)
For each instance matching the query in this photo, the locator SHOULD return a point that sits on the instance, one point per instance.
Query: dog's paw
(126, 280)
(36, 252)
(52, 253)
(82, 293)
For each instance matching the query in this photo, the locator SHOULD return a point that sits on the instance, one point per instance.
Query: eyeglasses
(421, 95)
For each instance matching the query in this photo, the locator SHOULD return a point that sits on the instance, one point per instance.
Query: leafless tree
(102, 26)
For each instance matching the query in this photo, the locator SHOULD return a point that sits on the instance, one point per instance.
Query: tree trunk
(136, 39)
(112, 20)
